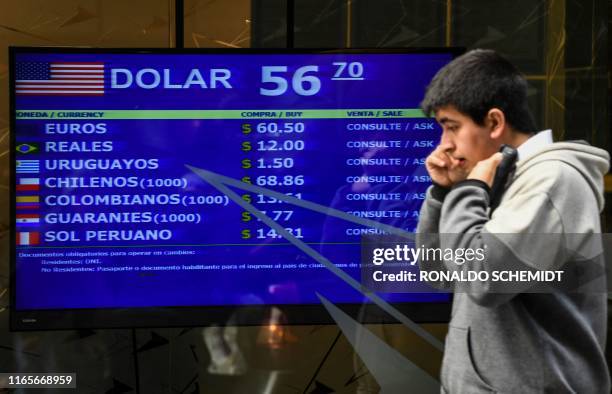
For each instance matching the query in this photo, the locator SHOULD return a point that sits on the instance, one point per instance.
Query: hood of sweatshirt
(591, 162)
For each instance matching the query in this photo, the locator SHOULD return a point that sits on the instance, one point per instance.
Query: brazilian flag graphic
(25, 148)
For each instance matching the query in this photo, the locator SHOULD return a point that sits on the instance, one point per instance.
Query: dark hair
(477, 81)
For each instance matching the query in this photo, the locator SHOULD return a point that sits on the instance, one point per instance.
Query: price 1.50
(275, 163)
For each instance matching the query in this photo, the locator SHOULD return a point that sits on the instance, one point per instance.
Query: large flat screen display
(160, 187)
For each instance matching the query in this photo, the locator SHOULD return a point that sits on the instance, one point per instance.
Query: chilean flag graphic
(28, 184)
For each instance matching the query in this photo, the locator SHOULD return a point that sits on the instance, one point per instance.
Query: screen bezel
(181, 316)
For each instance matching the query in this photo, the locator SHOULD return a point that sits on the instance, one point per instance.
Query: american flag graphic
(60, 78)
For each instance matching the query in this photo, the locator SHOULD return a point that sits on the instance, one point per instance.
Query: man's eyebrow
(446, 120)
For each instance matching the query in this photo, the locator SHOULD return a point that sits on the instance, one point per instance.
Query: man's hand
(485, 169)
(443, 169)
(437, 165)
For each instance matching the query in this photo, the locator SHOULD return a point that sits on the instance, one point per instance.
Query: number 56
(302, 84)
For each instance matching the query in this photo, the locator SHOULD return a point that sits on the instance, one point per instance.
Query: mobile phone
(504, 169)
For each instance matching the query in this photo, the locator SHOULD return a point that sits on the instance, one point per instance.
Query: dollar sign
(246, 179)
(246, 146)
(246, 163)
(246, 234)
(246, 197)
(246, 217)
(246, 128)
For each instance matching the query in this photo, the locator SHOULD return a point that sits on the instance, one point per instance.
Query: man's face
(464, 142)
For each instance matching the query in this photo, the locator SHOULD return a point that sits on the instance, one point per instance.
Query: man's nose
(446, 142)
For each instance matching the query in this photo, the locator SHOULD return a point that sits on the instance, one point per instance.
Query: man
(503, 341)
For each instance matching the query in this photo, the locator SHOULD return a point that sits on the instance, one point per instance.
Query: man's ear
(496, 121)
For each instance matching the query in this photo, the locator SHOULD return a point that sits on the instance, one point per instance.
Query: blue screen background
(273, 270)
